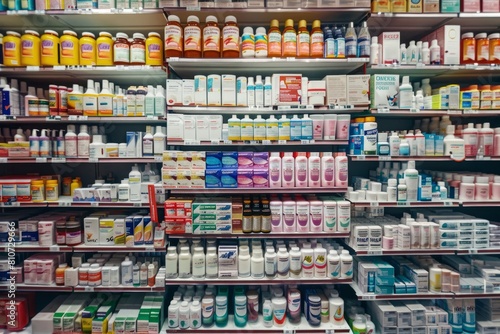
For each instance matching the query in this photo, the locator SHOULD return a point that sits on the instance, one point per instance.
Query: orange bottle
(192, 38)
(173, 37)
(230, 38)
(303, 40)
(274, 40)
(482, 48)
(211, 38)
(289, 39)
(468, 48)
(317, 40)
(494, 48)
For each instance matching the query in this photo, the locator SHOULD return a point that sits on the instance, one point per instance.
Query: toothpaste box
(384, 90)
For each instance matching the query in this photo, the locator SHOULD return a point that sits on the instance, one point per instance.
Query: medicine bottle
(173, 37)
(211, 38)
(482, 48)
(121, 49)
(30, 48)
(104, 52)
(50, 48)
(192, 37)
(230, 38)
(154, 50)
(303, 40)
(468, 48)
(138, 50)
(289, 39)
(274, 40)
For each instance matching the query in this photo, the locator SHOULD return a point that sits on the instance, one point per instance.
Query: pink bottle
(341, 171)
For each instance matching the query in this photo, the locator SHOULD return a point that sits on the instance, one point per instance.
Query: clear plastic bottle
(351, 41)
(364, 41)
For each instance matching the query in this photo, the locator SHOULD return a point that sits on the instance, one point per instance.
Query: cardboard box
(287, 89)
(390, 42)
(358, 90)
(336, 89)
(384, 90)
(174, 92)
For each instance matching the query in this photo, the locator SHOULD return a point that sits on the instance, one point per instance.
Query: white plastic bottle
(364, 41)
(184, 263)
(261, 43)
(486, 135)
(307, 263)
(412, 53)
(147, 143)
(370, 326)
(247, 128)
(295, 262)
(470, 137)
(268, 91)
(259, 91)
(212, 263)
(402, 191)
(149, 102)
(195, 315)
(284, 128)
(271, 263)
(257, 263)
(341, 171)
(127, 272)
(272, 130)
(314, 170)
(394, 144)
(159, 144)
(160, 102)
(198, 263)
(320, 262)
(134, 180)
(405, 93)
(234, 128)
(267, 313)
(419, 100)
(411, 178)
(173, 314)
(251, 92)
(453, 146)
(275, 170)
(259, 128)
(374, 52)
(83, 142)
(30, 102)
(435, 51)
(301, 170)
(327, 170)
(306, 128)
(283, 267)
(244, 262)
(426, 53)
(184, 315)
(248, 43)
(295, 128)
(90, 100)
(346, 265)
(124, 191)
(333, 268)
(105, 100)
(403, 54)
(171, 259)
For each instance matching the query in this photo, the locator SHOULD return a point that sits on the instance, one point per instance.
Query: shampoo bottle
(327, 170)
(90, 100)
(275, 170)
(83, 142)
(301, 174)
(341, 170)
(314, 168)
(135, 179)
(411, 178)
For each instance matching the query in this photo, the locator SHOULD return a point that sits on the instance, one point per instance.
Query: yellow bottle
(50, 48)
(87, 49)
(37, 191)
(12, 49)
(69, 46)
(104, 52)
(74, 185)
(30, 48)
(154, 50)
(52, 190)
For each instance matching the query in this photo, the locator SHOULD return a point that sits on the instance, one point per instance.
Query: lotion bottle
(135, 179)
(341, 170)
(301, 170)
(184, 263)
(83, 142)
(159, 141)
(314, 170)
(327, 170)
(411, 178)
(275, 170)
(90, 100)
(288, 170)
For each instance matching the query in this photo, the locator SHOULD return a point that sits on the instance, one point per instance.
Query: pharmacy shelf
(273, 235)
(81, 119)
(480, 203)
(375, 204)
(476, 22)
(358, 252)
(115, 20)
(406, 296)
(267, 110)
(490, 251)
(261, 16)
(465, 295)
(117, 249)
(81, 160)
(119, 288)
(413, 158)
(66, 201)
(386, 112)
(253, 143)
(37, 248)
(315, 68)
(257, 191)
(258, 327)
(38, 287)
(26, 330)
(23, 204)
(255, 281)
(120, 74)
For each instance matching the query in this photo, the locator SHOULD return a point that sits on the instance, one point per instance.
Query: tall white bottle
(159, 141)
(71, 140)
(160, 102)
(184, 263)
(83, 142)
(149, 102)
(268, 90)
(135, 179)
(405, 93)
(171, 259)
(411, 179)
(198, 263)
(251, 92)
(314, 170)
(259, 91)
(327, 170)
(147, 143)
(127, 272)
(234, 128)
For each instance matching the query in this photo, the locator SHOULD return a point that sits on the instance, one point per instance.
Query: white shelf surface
(119, 288)
(258, 327)
(386, 112)
(419, 158)
(272, 235)
(253, 143)
(81, 119)
(404, 252)
(116, 249)
(366, 204)
(66, 201)
(158, 159)
(36, 248)
(314, 68)
(255, 281)
(257, 190)
(266, 110)
(38, 287)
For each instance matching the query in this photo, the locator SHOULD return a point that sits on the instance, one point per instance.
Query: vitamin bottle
(211, 38)
(303, 40)
(138, 50)
(274, 40)
(317, 40)
(12, 49)
(104, 52)
(468, 48)
(154, 50)
(230, 38)
(261, 44)
(494, 48)
(50, 48)
(248, 43)
(121, 49)
(30, 48)
(87, 49)
(482, 48)
(69, 46)
(173, 37)
(192, 37)
(289, 40)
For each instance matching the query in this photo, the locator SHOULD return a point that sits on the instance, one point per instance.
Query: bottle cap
(230, 18)
(302, 24)
(468, 35)
(316, 24)
(173, 18)
(260, 31)
(193, 18)
(248, 31)
(211, 18)
(288, 23)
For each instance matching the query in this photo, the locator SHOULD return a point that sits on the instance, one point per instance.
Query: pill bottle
(30, 48)
(50, 48)
(104, 49)
(12, 49)
(69, 48)
(154, 50)
(87, 49)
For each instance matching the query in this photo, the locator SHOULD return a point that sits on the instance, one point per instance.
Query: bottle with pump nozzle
(45, 145)
(90, 100)
(351, 42)
(34, 144)
(364, 49)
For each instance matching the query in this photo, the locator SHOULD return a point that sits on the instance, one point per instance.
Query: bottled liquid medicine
(230, 38)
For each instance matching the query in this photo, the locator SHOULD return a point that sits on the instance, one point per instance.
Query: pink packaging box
(261, 178)
(245, 178)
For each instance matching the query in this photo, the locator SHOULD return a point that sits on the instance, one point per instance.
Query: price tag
(360, 157)
(173, 59)
(137, 204)
(374, 252)
(39, 12)
(288, 331)
(383, 110)
(64, 203)
(32, 68)
(54, 248)
(153, 118)
(483, 158)
(254, 142)
(266, 142)
(471, 111)
(159, 159)
(59, 68)
(368, 297)
(4, 160)
(58, 160)
(149, 248)
(403, 203)
(41, 160)
(290, 58)
(83, 118)
(413, 110)
(470, 66)
(3, 117)
(473, 251)
(305, 141)
(228, 142)
(374, 204)
(94, 204)
(89, 289)
(72, 118)
(193, 9)
(191, 142)
(214, 142)
(384, 158)
(454, 112)
(420, 65)
(94, 160)
(330, 331)
(447, 203)
(282, 142)
(53, 118)
(11, 12)
(11, 204)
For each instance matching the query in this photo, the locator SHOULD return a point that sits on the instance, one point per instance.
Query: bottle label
(192, 38)
(231, 38)
(317, 44)
(340, 48)
(33, 107)
(275, 43)
(68, 49)
(27, 49)
(248, 45)
(105, 106)
(87, 51)
(211, 39)
(173, 37)
(90, 105)
(303, 44)
(122, 53)
(104, 51)
(261, 45)
(10, 51)
(351, 47)
(154, 51)
(48, 49)
(289, 43)
(138, 53)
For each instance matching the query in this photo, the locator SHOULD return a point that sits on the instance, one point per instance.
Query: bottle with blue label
(351, 42)
(307, 128)
(240, 311)
(329, 51)
(364, 41)
(340, 43)
(295, 128)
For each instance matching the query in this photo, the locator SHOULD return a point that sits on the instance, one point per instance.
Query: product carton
(228, 264)
(390, 42)
(188, 92)
(214, 90)
(316, 91)
(228, 90)
(448, 37)
(431, 6)
(174, 92)
(414, 6)
(287, 89)
(450, 6)
(202, 128)
(175, 127)
(91, 230)
(336, 89)
(384, 90)
(200, 90)
(471, 6)
(189, 127)
(490, 6)
(358, 90)
(215, 127)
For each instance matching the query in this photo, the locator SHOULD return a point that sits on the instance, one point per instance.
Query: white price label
(266, 142)
(420, 65)
(368, 297)
(93, 159)
(159, 159)
(282, 142)
(228, 142)
(54, 248)
(484, 158)
(173, 59)
(214, 142)
(374, 204)
(454, 112)
(403, 204)
(193, 9)
(329, 331)
(58, 160)
(83, 118)
(11, 204)
(414, 110)
(4, 160)
(149, 248)
(383, 110)
(72, 118)
(94, 204)
(41, 160)
(89, 289)
(290, 58)
(153, 118)
(288, 331)
(32, 68)
(473, 251)
(191, 142)
(384, 158)
(360, 157)
(64, 203)
(305, 141)
(374, 252)
(253, 142)
(471, 111)
(137, 204)
(52, 118)
(59, 68)
(447, 203)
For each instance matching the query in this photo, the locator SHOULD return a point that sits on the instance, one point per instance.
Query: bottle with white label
(412, 53)
(333, 267)
(149, 102)
(283, 268)
(83, 142)
(159, 141)
(268, 90)
(485, 139)
(259, 91)
(134, 180)
(251, 92)
(257, 263)
(306, 128)
(195, 315)
(234, 128)
(351, 42)
(402, 191)
(184, 315)
(198, 263)
(105, 100)
(405, 94)
(247, 128)
(259, 128)
(171, 259)
(90, 100)
(435, 52)
(295, 128)
(411, 178)
(147, 143)
(127, 272)
(124, 191)
(184, 263)
(244, 262)
(346, 265)
(374, 51)
(271, 261)
(284, 128)
(173, 314)
(272, 129)
(295, 262)
(212, 262)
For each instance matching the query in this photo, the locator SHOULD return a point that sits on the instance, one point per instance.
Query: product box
(384, 90)
(214, 90)
(175, 127)
(200, 90)
(228, 261)
(188, 92)
(358, 90)
(448, 37)
(213, 178)
(189, 127)
(245, 160)
(336, 90)
(316, 91)
(490, 6)
(198, 160)
(471, 6)
(260, 178)
(174, 92)
(183, 160)
(390, 42)
(215, 127)
(229, 178)
(229, 159)
(414, 6)
(202, 128)
(214, 160)
(245, 178)
(424, 187)
(287, 89)
(91, 230)
(450, 6)
(228, 90)
(260, 160)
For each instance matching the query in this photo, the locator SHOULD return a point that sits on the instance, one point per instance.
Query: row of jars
(51, 50)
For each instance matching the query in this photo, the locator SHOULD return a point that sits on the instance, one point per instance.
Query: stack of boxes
(463, 232)
(375, 276)
(184, 169)
(212, 216)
